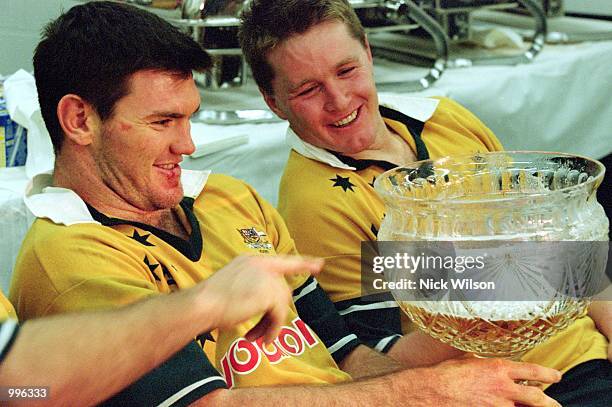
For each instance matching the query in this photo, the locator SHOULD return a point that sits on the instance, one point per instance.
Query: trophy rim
(595, 181)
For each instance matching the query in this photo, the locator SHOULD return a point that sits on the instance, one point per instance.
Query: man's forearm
(391, 389)
(379, 386)
(118, 345)
(473, 382)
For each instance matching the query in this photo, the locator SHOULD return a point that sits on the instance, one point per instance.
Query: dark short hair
(93, 49)
(267, 23)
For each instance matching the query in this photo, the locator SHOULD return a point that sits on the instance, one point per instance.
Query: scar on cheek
(123, 126)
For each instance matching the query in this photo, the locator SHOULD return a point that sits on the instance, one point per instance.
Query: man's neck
(390, 147)
(79, 176)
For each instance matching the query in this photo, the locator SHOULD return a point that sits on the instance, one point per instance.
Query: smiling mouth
(167, 166)
(347, 120)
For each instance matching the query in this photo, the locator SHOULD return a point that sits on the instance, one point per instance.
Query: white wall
(21, 22)
(589, 6)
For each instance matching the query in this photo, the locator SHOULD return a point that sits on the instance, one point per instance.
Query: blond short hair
(267, 23)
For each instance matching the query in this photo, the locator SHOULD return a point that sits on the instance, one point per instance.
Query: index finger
(291, 264)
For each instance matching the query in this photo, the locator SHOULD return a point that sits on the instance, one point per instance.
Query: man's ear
(78, 119)
(271, 102)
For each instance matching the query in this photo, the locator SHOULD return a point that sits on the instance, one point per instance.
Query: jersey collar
(416, 107)
(64, 206)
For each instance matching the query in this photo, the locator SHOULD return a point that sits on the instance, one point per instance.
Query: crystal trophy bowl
(519, 208)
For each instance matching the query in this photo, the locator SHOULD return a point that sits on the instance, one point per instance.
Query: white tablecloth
(14, 219)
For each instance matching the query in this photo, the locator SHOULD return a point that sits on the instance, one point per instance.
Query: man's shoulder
(457, 120)
(224, 182)
(229, 192)
(305, 174)
(297, 161)
(52, 237)
(44, 228)
(53, 257)
(311, 188)
(450, 107)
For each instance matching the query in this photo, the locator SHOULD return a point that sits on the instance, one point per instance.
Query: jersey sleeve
(9, 330)
(316, 309)
(181, 380)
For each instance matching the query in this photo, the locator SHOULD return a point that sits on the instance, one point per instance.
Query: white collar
(419, 108)
(64, 206)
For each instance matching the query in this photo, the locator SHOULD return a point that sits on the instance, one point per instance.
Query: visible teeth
(166, 166)
(346, 120)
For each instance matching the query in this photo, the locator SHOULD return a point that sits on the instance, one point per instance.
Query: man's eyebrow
(346, 61)
(163, 113)
(170, 114)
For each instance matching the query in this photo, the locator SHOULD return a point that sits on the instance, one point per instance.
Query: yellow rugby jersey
(100, 262)
(330, 207)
